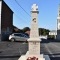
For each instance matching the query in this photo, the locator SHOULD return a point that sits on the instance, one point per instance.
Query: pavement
(13, 50)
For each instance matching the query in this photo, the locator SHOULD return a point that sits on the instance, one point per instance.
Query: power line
(22, 8)
(21, 18)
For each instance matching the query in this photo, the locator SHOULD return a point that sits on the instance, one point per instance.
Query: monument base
(40, 57)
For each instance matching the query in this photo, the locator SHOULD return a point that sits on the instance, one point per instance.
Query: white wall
(52, 33)
(58, 26)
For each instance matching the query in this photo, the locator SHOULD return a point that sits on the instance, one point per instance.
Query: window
(16, 34)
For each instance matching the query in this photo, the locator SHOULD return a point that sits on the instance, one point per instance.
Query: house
(58, 25)
(6, 20)
(17, 30)
(53, 33)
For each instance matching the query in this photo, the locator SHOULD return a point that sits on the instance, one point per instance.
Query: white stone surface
(34, 7)
(40, 57)
(24, 57)
(34, 47)
(34, 40)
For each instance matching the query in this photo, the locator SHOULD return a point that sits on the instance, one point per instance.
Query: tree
(43, 31)
(26, 29)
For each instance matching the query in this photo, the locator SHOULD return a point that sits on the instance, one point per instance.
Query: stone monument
(33, 52)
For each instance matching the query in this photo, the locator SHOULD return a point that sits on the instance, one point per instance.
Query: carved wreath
(34, 19)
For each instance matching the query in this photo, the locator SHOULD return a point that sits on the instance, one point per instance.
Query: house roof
(53, 31)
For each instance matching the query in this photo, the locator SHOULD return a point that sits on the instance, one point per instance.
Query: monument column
(34, 22)
(34, 41)
(33, 52)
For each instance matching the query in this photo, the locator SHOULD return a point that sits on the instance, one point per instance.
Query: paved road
(51, 48)
(13, 50)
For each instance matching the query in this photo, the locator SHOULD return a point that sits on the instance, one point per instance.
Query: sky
(47, 17)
